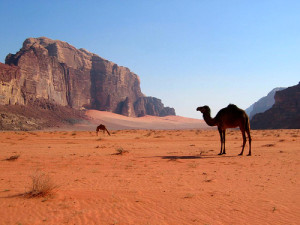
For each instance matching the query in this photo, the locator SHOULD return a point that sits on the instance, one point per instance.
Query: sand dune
(165, 177)
(116, 121)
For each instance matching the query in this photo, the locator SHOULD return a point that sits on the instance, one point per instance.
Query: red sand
(167, 177)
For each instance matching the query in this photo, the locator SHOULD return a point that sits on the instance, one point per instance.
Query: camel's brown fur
(229, 117)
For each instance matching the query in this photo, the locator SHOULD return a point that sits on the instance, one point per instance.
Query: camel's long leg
(107, 132)
(244, 141)
(221, 138)
(249, 137)
(223, 142)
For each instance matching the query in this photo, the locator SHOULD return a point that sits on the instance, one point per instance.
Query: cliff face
(263, 104)
(284, 114)
(60, 73)
(152, 106)
(10, 92)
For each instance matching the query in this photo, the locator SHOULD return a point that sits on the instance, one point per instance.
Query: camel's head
(204, 109)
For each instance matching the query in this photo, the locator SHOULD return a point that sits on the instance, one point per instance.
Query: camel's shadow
(175, 157)
(22, 195)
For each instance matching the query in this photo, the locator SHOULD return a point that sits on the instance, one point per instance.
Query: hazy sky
(187, 53)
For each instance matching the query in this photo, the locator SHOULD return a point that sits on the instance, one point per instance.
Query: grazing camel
(229, 117)
(102, 127)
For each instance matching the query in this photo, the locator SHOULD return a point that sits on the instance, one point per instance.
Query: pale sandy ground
(167, 177)
(115, 121)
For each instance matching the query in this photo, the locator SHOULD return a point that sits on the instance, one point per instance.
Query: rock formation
(263, 104)
(284, 114)
(152, 106)
(61, 74)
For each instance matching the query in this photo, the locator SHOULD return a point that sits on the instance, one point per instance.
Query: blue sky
(187, 53)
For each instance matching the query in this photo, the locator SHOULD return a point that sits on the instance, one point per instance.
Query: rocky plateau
(56, 73)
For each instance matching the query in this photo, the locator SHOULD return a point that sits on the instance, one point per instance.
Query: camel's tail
(247, 127)
(107, 131)
(248, 123)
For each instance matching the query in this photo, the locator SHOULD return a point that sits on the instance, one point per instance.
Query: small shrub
(41, 186)
(269, 145)
(121, 151)
(189, 195)
(13, 158)
(208, 180)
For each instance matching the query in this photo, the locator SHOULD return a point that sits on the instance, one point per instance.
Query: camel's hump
(232, 106)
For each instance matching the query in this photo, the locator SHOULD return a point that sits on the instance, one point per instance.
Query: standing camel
(102, 127)
(229, 117)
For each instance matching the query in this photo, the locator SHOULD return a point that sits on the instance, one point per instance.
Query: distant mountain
(263, 104)
(53, 71)
(249, 109)
(284, 114)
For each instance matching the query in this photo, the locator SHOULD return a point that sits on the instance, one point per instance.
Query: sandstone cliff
(284, 114)
(263, 104)
(61, 74)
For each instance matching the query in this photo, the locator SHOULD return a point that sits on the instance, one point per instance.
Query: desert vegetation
(148, 177)
(41, 185)
(12, 158)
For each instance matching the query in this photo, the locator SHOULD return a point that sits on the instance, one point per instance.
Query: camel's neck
(210, 121)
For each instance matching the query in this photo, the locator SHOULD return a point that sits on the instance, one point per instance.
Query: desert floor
(150, 177)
